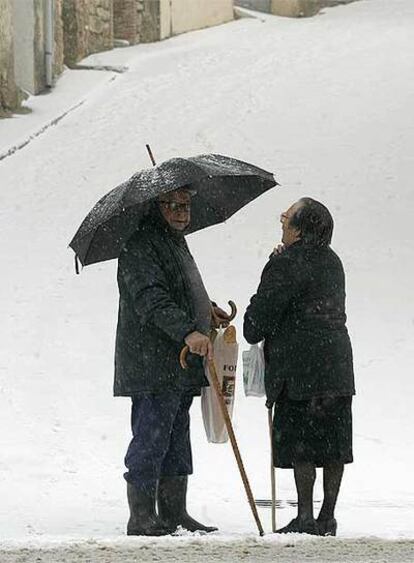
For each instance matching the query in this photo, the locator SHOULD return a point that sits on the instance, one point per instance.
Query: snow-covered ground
(213, 549)
(325, 103)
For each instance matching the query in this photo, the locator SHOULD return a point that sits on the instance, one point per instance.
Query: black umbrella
(221, 185)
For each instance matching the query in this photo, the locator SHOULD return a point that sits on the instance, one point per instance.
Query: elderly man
(299, 312)
(163, 306)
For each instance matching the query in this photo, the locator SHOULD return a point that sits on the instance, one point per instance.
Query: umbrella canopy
(221, 186)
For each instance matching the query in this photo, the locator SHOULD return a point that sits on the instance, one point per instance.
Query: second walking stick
(272, 468)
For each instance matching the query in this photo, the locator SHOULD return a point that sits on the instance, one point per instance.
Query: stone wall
(302, 8)
(90, 25)
(295, 8)
(128, 18)
(151, 21)
(74, 42)
(58, 53)
(9, 95)
(258, 5)
(290, 8)
(144, 21)
(87, 28)
(82, 27)
(100, 35)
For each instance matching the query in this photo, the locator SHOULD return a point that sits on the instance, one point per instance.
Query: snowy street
(326, 104)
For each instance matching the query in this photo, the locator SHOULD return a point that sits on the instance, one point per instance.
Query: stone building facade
(39, 37)
(302, 8)
(290, 8)
(128, 20)
(9, 95)
(58, 48)
(143, 21)
(87, 28)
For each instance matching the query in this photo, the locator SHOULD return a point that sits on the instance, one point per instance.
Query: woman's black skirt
(317, 430)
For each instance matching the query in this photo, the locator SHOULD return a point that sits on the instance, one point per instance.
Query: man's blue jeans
(160, 445)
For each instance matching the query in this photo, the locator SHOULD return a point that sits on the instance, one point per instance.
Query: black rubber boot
(327, 527)
(172, 505)
(143, 519)
(300, 526)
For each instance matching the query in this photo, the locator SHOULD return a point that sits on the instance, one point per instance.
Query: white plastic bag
(225, 360)
(253, 371)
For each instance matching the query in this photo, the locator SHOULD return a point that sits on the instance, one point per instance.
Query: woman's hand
(279, 249)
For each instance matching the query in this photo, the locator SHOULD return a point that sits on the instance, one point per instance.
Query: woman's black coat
(155, 315)
(299, 310)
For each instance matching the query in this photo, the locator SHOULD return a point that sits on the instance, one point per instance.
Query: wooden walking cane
(272, 468)
(229, 427)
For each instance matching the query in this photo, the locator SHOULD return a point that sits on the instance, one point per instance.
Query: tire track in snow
(42, 130)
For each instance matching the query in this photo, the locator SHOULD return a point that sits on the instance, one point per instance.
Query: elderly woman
(299, 312)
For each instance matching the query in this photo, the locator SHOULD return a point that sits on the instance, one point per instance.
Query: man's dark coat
(299, 309)
(155, 315)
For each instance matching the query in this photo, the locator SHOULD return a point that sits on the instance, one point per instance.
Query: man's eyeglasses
(174, 206)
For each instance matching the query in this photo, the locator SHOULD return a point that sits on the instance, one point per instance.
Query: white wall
(24, 37)
(165, 19)
(179, 16)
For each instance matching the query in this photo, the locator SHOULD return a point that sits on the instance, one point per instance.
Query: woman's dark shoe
(143, 520)
(327, 527)
(172, 507)
(300, 526)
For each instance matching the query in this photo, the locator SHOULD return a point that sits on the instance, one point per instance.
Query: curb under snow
(215, 549)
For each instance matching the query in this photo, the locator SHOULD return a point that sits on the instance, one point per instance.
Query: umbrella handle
(233, 313)
(233, 310)
(183, 357)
